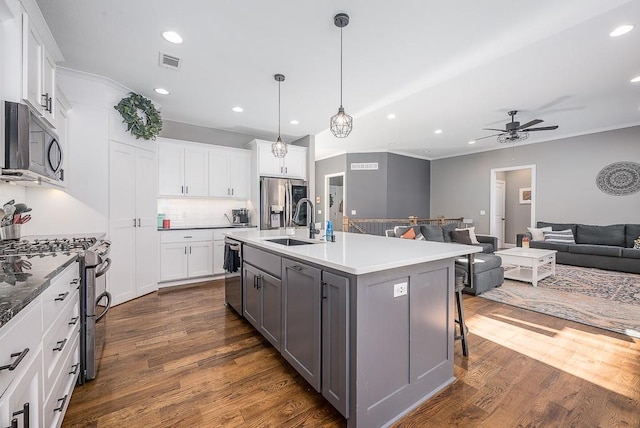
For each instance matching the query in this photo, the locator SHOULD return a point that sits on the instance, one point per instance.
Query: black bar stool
(460, 280)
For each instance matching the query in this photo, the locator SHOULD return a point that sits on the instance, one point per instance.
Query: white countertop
(356, 253)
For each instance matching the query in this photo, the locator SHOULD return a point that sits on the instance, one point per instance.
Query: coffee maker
(240, 216)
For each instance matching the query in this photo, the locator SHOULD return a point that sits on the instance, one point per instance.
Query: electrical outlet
(483, 212)
(319, 212)
(353, 212)
(399, 289)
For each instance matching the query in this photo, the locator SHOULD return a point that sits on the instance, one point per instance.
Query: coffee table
(531, 264)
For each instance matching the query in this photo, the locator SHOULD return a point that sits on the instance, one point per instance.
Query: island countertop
(356, 253)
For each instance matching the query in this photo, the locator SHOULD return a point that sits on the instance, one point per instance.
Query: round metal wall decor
(619, 178)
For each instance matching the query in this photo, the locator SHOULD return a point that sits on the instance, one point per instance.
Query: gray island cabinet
(366, 320)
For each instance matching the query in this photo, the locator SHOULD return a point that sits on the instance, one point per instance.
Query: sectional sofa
(603, 247)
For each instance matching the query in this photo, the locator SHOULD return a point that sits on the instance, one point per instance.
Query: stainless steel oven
(95, 302)
(233, 274)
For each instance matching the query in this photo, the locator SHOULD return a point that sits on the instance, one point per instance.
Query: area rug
(604, 299)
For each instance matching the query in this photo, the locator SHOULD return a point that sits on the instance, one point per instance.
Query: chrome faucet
(312, 230)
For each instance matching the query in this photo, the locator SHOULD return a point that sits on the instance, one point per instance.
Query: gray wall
(397, 189)
(566, 171)
(201, 134)
(518, 215)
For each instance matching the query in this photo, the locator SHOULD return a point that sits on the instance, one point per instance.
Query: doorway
(511, 214)
(334, 199)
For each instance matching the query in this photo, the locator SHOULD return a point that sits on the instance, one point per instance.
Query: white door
(219, 175)
(196, 172)
(146, 255)
(171, 169)
(200, 259)
(498, 212)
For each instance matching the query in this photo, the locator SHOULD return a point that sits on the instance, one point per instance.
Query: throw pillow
(461, 236)
(409, 234)
(432, 233)
(559, 236)
(446, 231)
(537, 234)
(420, 237)
(636, 244)
(472, 234)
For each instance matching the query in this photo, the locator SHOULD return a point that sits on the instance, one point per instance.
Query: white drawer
(20, 338)
(176, 236)
(56, 296)
(218, 234)
(58, 399)
(58, 341)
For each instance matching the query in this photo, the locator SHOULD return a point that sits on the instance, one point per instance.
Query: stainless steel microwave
(32, 151)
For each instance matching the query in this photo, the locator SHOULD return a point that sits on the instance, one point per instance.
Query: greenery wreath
(147, 127)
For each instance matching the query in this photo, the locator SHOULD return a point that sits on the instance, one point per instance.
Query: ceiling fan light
(279, 149)
(341, 124)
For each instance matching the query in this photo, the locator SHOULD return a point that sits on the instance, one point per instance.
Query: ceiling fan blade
(544, 128)
(488, 136)
(494, 129)
(528, 124)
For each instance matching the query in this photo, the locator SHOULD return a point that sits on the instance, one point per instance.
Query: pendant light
(279, 148)
(341, 123)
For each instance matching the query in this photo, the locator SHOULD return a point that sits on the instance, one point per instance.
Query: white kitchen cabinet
(185, 254)
(293, 165)
(183, 169)
(133, 222)
(38, 72)
(23, 400)
(218, 257)
(229, 171)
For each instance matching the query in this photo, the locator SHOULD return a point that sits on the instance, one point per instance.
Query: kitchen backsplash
(199, 211)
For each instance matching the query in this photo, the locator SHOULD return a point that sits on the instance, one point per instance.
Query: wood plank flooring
(181, 359)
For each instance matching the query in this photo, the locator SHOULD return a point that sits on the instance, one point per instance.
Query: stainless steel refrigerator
(278, 199)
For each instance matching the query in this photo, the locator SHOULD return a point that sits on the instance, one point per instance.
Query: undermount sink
(289, 242)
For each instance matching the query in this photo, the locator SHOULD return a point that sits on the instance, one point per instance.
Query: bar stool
(460, 280)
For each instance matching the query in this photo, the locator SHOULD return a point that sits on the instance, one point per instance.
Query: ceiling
(458, 66)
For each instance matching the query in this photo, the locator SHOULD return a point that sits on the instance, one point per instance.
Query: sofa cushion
(401, 230)
(537, 233)
(481, 262)
(601, 235)
(432, 233)
(446, 231)
(596, 250)
(549, 246)
(632, 233)
(560, 236)
(559, 226)
(630, 253)
(487, 247)
(461, 237)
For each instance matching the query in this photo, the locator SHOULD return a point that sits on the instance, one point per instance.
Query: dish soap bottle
(329, 232)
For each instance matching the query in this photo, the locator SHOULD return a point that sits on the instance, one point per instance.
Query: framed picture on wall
(525, 195)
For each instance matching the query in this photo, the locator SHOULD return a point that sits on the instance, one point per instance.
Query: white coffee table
(531, 264)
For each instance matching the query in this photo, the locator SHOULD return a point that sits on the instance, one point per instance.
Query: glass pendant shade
(279, 148)
(341, 124)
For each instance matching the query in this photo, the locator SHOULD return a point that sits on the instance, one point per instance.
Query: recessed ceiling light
(161, 91)
(438, 131)
(472, 142)
(623, 29)
(635, 79)
(238, 109)
(294, 122)
(391, 116)
(172, 36)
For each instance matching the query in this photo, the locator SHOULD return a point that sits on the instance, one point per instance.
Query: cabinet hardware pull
(60, 344)
(232, 191)
(61, 297)
(74, 281)
(74, 368)
(139, 222)
(187, 187)
(50, 102)
(297, 267)
(185, 250)
(14, 365)
(286, 170)
(25, 416)
(134, 222)
(74, 321)
(14, 423)
(45, 98)
(259, 281)
(189, 250)
(228, 191)
(188, 236)
(64, 400)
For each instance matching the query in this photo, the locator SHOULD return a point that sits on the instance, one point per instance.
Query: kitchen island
(366, 320)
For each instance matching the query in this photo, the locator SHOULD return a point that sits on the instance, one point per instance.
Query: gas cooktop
(37, 247)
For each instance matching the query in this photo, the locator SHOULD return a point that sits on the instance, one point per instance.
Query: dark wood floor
(181, 359)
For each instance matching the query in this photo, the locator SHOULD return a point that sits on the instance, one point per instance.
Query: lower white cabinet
(185, 254)
(22, 403)
(218, 257)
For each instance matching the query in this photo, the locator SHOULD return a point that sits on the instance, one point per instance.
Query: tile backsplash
(199, 211)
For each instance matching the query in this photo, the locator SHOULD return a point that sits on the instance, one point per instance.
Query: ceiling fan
(514, 132)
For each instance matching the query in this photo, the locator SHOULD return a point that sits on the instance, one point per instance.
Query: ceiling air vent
(364, 165)
(169, 61)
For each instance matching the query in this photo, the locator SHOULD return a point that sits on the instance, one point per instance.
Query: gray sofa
(603, 247)
(487, 272)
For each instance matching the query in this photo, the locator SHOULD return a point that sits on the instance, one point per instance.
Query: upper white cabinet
(183, 169)
(293, 165)
(38, 72)
(229, 173)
